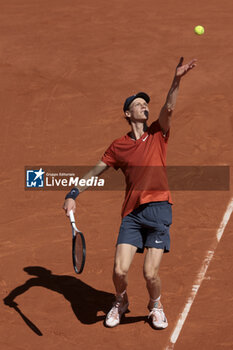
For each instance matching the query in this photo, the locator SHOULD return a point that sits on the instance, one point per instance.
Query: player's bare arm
(97, 170)
(168, 107)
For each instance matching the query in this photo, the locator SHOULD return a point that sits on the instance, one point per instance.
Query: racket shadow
(85, 301)
(30, 324)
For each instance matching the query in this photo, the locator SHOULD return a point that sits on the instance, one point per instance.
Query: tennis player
(146, 211)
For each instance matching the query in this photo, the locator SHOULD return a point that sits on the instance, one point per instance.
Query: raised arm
(69, 203)
(168, 107)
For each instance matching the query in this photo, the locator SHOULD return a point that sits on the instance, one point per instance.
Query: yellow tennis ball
(199, 30)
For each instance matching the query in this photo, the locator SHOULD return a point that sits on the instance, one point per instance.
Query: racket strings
(79, 257)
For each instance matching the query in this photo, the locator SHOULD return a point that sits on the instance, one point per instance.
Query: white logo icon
(145, 138)
(158, 241)
(39, 174)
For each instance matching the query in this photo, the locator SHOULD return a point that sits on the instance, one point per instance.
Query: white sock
(154, 300)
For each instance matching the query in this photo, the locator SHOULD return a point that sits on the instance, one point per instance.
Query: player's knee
(151, 274)
(120, 270)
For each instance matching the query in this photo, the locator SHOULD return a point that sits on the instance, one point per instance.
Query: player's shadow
(85, 300)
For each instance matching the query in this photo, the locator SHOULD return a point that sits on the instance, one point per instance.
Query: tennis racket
(78, 246)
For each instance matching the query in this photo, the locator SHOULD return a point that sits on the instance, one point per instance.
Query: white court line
(225, 220)
(200, 276)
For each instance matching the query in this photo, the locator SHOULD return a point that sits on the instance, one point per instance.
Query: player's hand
(69, 205)
(182, 69)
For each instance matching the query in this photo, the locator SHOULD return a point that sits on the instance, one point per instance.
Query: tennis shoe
(159, 320)
(119, 307)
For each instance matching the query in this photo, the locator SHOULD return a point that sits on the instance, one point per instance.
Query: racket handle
(72, 219)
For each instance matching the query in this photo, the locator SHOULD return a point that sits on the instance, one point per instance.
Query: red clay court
(66, 69)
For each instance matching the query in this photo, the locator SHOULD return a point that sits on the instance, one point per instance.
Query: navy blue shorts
(147, 226)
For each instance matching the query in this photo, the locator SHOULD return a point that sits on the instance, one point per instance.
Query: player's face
(139, 110)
